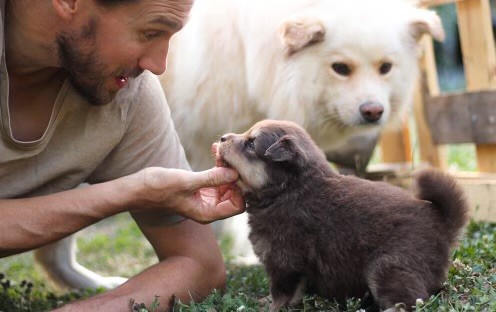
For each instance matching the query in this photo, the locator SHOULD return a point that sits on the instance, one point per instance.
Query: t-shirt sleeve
(149, 139)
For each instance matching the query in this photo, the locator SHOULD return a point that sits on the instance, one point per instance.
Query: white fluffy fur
(239, 61)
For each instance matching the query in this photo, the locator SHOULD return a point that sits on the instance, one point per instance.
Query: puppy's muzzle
(227, 137)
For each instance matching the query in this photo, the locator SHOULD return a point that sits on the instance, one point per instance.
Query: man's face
(117, 43)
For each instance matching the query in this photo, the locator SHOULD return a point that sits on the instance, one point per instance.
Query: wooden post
(429, 152)
(430, 3)
(479, 59)
(396, 145)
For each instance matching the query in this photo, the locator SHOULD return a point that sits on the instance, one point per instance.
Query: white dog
(338, 68)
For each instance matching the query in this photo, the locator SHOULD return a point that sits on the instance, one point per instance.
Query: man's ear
(287, 150)
(298, 32)
(65, 8)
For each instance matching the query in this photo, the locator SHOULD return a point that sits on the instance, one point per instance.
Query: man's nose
(154, 58)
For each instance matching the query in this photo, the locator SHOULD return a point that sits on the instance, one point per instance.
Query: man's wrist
(129, 191)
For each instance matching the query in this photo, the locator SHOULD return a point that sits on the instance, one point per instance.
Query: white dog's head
(356, 61)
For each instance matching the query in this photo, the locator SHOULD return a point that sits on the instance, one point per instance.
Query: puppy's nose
(371, 112)
(226, 137)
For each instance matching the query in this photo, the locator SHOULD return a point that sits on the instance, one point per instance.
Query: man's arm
(28, 223)
(190, 267)
(32, 222)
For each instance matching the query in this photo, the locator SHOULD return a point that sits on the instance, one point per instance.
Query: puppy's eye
(341, 69)
(250, 144)
(385, 68)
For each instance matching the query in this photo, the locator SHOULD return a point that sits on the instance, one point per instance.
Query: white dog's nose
(371, 112)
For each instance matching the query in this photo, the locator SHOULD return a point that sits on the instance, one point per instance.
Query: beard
(79, 58)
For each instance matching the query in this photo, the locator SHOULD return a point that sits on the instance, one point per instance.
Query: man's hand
(203, 196)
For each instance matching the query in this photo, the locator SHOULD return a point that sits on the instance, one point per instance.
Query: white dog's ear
(286, 150)
(426, 22)
(298, 32)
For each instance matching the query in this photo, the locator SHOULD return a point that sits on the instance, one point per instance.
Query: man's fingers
(227, 209)
(222, 210)
(214, 177)
(234, 194)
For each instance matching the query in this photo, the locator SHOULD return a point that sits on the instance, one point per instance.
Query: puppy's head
(269, 155)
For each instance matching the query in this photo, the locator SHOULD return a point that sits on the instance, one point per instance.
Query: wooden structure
(468, 117)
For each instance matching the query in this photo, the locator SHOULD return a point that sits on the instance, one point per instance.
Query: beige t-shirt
(85, 143)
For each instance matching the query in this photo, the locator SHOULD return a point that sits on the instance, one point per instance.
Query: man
(78, 104)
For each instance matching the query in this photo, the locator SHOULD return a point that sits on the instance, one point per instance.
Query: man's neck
(30, 29)
(35, 77)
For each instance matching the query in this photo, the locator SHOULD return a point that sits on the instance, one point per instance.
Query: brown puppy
(339, 236)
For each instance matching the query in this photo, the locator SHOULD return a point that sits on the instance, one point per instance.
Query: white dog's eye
(341, 69)
(385, 68)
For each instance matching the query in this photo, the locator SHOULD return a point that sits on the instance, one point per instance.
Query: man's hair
(111, 3)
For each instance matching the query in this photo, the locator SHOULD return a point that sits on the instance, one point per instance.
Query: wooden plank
(432, 3)
(427, 84)
(396, 145)
(479, 58)
(429, 151)
(463, 117)
(476, 37)
(480, 189)
(486, 158)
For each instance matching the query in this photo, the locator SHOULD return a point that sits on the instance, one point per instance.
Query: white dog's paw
(111, 282)
(59, 262)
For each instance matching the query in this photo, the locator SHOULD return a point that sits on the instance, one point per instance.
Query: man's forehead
(166, 21)
(168, 13)
(179, 5)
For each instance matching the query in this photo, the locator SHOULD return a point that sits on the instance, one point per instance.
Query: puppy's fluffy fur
(340, 236)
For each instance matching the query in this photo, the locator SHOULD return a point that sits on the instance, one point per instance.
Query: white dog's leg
(237, 228)
(59, 261)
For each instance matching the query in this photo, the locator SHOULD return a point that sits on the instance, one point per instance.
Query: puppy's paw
(399, 307)
(267, 301)
(264, 302)
(275, 307)
(280, 302)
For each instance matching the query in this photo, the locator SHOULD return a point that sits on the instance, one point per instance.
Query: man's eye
(250, 144)
(152, 34)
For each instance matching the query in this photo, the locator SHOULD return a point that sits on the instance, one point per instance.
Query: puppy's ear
(287, 150)
(426, 22)
(298, 32)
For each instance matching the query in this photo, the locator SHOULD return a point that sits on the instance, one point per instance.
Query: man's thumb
(216, 176)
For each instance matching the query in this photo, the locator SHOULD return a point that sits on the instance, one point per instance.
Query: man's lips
(121, 81)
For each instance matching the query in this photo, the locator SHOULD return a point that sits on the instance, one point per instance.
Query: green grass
(116, 247)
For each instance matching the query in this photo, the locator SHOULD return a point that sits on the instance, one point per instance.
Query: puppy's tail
(447, 196)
